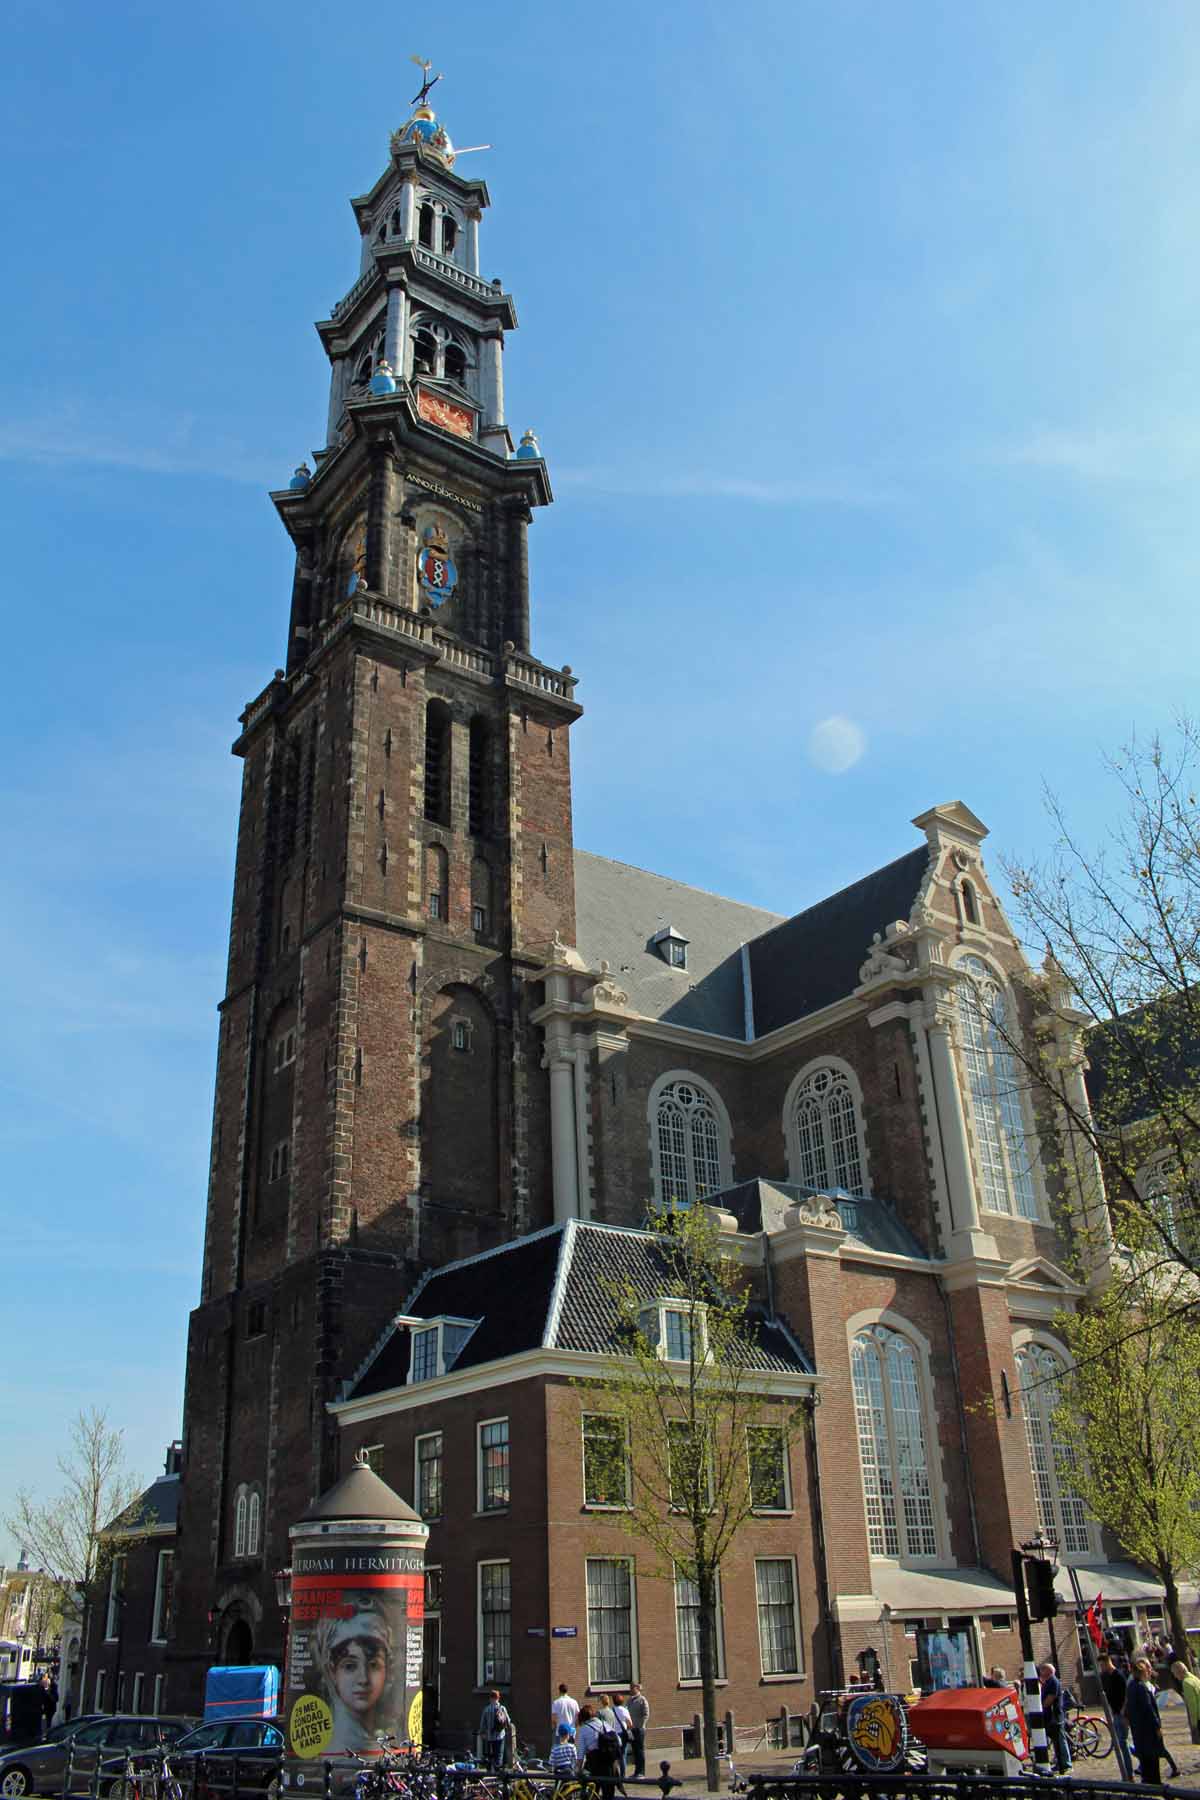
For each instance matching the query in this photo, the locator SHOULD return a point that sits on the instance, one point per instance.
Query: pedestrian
(996, 1678)
(47, 1701)
(563, 1709)
(1054, 1715)
(1189, 1688)
(639, 1714)
(1115, 1686)
(494, 1723)
(604, 1711)
(624, 1727)
(564, 1758)
(1145, 1722)
(599, 1748)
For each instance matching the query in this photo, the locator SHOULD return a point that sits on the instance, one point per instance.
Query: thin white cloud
(1143, 457)
(698, 484)
(58, 443)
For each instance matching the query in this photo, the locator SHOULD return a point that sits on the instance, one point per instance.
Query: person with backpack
(494, 1724)
(599, 1747)
(1054, 1711)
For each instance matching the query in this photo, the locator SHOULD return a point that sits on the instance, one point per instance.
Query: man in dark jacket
(1145, 1723)
(1115, 1685)
(1052, 1711)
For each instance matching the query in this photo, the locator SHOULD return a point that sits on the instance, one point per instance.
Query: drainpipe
(962, 1424)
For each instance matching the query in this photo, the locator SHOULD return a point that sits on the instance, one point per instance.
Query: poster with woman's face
(354, 1654)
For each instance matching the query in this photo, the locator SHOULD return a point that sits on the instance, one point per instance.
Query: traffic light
(1039, 1585)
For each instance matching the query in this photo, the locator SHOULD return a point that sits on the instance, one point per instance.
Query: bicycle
(140, 1780)
(1088, 1734)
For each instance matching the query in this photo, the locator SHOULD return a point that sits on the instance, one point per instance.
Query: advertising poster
(946, 1659)
(354, 1663)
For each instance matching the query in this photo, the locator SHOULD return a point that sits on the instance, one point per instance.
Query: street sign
(564, 1631)
(535, 1631)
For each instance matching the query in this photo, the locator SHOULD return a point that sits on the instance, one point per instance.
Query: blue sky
(862, 345)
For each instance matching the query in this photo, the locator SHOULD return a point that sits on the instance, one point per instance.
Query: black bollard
(666, 1780)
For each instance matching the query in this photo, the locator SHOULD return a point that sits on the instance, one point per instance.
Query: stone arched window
(824, 1130)
(1003, 1140)
(890, 1412)
(241, 1510)
(690, 1134)
(254, 1523)
(1060, 1510)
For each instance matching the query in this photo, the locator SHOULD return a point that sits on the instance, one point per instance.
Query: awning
(941, 1591)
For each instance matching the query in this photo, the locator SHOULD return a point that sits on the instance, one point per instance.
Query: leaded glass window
(891, 1442)
(775, 1589)
(687, 1628)
(827, 1132)
(1001, 1140)
(610, 1621)
(1060, 1510)
(689, 1143)
(495, 1623)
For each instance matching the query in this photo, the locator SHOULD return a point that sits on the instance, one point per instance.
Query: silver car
(40, 1768)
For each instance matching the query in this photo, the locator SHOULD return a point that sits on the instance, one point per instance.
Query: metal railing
(964, 1786)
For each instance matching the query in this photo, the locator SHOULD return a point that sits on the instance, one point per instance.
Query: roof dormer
(672, 946)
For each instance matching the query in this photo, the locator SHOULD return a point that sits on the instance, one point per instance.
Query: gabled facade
(452, 1042)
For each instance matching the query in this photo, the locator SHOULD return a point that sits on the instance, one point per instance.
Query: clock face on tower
(437, 411)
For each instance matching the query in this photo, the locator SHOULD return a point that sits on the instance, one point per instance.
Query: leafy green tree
(1128, 1421)
(696, 1441)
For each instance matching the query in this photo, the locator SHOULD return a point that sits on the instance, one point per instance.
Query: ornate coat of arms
(435, 570)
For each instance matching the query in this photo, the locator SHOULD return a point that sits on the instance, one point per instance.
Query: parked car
(40, 1768)
(204, 1760)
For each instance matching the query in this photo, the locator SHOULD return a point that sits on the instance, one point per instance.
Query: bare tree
(65, 1535)
(696, 1440)
(1119, 996)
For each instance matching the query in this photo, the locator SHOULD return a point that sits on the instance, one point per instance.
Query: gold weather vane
(427, 84)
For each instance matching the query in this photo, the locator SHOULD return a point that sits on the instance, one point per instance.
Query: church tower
(404, 860)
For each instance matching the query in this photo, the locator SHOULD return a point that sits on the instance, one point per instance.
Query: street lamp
(283, 1597)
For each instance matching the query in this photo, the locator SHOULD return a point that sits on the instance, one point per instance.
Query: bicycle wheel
(1094, 1736)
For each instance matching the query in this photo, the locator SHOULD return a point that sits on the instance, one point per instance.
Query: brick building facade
(449, 1036)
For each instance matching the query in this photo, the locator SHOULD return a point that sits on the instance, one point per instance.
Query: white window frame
(135, 1703)
(1033, 1209)
(285, 1048)
(591, 1505)
(903, 1328)
(653, 1321)
(116, 1588)
(254, 1523)
(683, 1424)
(842, 1075)
(663, 1191)
(159, 1683)
(427, 1437)
(609, 1680)
(719, 1673)
(157, 1634)
(241, 1508)
(779, 1674)
(1050, 1499)
(446, 1350)
(483, 1679)
(480, 1492)
(98, 1691)
(785, 1458)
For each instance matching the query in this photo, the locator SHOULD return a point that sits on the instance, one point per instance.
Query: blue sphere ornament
(529, 447)
(300, 479)
(383, 381)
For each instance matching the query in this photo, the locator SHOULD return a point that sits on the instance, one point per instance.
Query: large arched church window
(826, 1132)
(1002, 1140)
(691, 1141)
(1060, 1510)
(889, 1410)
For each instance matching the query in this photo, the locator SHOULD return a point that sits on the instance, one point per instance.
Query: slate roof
(813, 959)
(619, 908)
(155, 1509)
(1157, 1039)
(759, 1205)
(796, 965)
(554, 1291)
